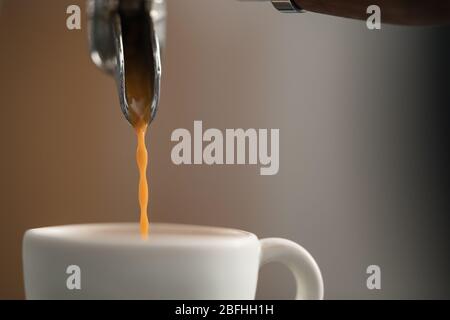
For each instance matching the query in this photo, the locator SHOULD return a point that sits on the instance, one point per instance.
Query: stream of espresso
(142, 159)
(139, 87)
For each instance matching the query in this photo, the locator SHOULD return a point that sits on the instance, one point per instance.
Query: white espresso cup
(112, 261)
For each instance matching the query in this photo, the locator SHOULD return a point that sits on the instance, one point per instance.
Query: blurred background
(363, 118)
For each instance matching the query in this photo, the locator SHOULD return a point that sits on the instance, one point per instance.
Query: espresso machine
(130, 34)
(146, 22)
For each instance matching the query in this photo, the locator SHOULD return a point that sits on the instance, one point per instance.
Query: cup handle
(305, 269)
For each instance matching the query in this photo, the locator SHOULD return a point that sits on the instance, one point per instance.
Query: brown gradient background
(347, 102)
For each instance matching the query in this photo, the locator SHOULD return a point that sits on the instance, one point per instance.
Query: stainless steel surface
(106, 42)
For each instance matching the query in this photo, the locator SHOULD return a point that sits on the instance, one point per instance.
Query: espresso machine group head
(107, 41)
(117, 27)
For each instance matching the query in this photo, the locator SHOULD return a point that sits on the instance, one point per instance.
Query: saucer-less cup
(112, 261)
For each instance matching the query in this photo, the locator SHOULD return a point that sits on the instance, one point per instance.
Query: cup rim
(126, 234)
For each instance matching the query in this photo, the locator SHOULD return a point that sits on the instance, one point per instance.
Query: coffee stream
(142, 158)
(139, 88)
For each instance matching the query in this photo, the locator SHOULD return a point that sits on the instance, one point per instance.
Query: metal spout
(125, 39)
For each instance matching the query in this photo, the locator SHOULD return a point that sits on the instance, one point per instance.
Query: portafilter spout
(125, 38)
